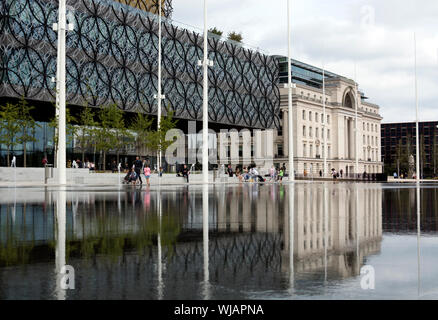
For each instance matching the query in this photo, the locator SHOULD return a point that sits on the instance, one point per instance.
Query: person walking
(272, 172)
(138, 165)
(147, 173)
(280, 175)
(186, 172)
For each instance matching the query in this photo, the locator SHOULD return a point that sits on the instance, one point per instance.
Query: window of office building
(304, 131)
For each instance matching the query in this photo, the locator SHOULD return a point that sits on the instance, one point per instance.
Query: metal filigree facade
(112, 58)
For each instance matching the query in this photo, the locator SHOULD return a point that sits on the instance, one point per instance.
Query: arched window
(348, 102)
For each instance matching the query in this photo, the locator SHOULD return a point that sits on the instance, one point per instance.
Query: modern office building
(399, 143)
(112, 58)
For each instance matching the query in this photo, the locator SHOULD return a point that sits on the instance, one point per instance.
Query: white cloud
(340, 34)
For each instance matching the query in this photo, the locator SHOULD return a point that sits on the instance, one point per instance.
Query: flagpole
(324, 121)
(356, 123)
(159, 96)
(289, 86)
(417, 135)
(205, 64)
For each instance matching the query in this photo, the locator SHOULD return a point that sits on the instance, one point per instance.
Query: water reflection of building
(248, 242)
(351, 224)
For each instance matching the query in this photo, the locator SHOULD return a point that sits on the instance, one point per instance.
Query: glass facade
(399, 142)
(303, 73)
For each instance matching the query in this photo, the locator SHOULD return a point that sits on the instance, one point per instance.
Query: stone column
(345, 138)
(285, 133)
(352, 138)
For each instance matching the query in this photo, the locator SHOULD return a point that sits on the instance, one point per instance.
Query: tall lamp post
(61, 27)
(159, 96)
(356, 142)
(417, 137)
(324, 120)
(205, 63)
(289, 87)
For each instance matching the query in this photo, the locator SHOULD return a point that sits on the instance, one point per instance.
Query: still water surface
(221, 242)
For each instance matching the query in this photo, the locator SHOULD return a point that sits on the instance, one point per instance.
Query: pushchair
(130, 177)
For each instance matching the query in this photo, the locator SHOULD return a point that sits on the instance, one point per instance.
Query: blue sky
(376, 35)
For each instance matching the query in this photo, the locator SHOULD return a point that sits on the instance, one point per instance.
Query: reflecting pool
(249, 241)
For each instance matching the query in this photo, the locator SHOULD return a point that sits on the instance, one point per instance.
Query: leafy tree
(84, 135)
(122, 136)
(216, 31)
(142, 128)
(234, 36)
(10, 127)
(28, 126)
(111, 120)
(156, 140)
(70, 129)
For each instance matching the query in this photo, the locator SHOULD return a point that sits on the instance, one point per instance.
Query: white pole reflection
(160, 287)
(325, 233)
(357, 229)
(291, 236)
(14, 209)
(205, 234)
(418, 237)
(60, 237)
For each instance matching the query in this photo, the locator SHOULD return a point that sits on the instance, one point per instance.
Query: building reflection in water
(335, 228)
(194, 242)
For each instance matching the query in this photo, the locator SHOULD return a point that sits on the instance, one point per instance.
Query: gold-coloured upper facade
(149, 5)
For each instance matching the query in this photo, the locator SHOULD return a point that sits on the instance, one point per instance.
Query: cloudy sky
(376, 35)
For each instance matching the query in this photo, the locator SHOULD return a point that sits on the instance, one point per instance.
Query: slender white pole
(290, 115)
(326, 219)
(418, 238)
(159, 95)
(61, 154)
(160, 288)
(60, 243)
(291, 237)
(417, 135)
(324, 122)
(356, 142)
(205, 240)
(205, 102)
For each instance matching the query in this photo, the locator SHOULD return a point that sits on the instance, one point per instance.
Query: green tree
(141, 126)
(111, 120)
(122, 136)
(216, 31)
(70, 128)
(28, 126)
(84, 135)
(156, 140)
(234, 36)
(9, 115)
